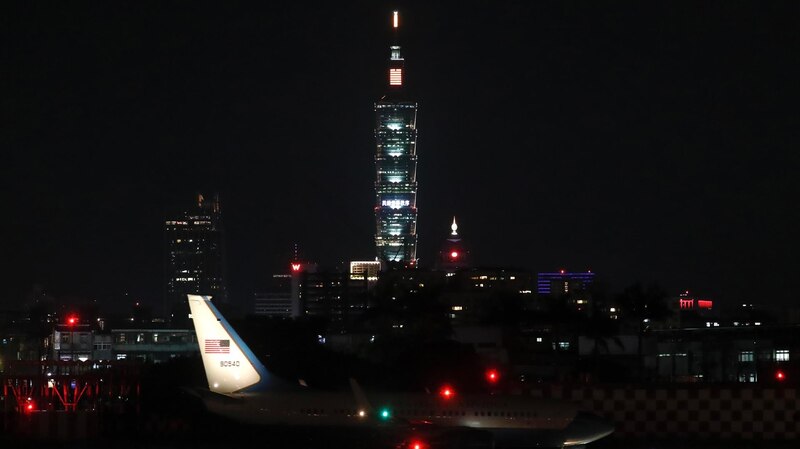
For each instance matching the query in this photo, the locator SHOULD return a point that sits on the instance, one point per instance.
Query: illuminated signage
(395, 77)
(395, 204)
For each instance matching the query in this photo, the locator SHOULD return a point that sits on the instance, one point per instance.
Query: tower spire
(454, 227)
(395, 60)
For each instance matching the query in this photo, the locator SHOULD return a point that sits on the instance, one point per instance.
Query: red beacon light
(416, 444)
(780, 376)
(493, 376)
(72, 320)
(454, 255)
(447, 392)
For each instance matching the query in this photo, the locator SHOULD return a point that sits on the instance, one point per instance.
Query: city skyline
(642, 142)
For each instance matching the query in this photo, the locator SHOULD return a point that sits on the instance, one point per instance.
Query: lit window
(746, 356)
(782, 355)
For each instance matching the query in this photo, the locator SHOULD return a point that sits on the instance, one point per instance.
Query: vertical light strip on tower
(396, 167)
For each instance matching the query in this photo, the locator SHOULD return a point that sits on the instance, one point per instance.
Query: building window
(746, 356)
(140, 337)
(748, 377)
(563, 345)
(781, 355)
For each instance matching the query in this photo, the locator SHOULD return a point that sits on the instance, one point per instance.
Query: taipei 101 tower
(396, 166)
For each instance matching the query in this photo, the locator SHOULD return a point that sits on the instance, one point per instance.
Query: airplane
(240, 388)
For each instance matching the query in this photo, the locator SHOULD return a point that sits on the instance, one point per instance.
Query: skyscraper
(396, 166)
(194, 256)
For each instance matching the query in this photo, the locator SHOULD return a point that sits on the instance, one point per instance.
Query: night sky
(644, 142)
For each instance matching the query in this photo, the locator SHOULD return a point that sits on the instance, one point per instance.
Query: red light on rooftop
(454, 255)
(780, 376)
(492, 376)
(72, 320)
(416, 444)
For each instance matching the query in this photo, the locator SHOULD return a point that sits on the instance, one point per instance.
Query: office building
(396, 166)
(563, 283)
(194, 256)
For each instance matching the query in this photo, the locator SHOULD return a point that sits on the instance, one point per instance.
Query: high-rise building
(276, 299)
(396, 166)
(365, 270)
(453, 256)
(194, 256)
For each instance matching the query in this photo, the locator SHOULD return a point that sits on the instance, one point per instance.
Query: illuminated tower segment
(396, 166)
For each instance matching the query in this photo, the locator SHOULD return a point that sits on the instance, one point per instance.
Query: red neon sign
(704, 303)
(296, 267)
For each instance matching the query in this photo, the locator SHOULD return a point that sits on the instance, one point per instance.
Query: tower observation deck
(396, 166)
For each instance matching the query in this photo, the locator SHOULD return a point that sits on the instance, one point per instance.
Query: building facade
(396, 167)
(194, 256)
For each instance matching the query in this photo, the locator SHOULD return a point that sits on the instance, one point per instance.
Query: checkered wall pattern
(757, 413)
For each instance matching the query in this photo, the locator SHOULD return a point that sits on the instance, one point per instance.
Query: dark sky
(652, 141)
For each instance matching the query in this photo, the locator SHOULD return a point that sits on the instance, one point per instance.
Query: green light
(385, 413)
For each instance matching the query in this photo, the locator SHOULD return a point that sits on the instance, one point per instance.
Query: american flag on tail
(217, 346)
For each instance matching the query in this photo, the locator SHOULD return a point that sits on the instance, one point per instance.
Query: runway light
(416, 444)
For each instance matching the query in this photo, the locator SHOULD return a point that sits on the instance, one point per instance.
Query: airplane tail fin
(231, 367)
